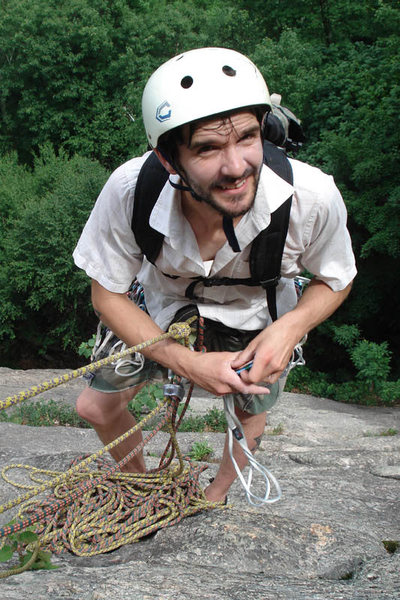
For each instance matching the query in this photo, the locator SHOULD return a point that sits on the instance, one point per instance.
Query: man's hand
(270, 352)
(272, 349)
(214, 372)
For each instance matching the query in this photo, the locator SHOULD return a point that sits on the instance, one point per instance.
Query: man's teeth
(234, 186)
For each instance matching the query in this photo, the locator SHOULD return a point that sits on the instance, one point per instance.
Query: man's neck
(206, 223)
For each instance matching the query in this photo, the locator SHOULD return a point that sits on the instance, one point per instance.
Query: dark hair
(168, 143)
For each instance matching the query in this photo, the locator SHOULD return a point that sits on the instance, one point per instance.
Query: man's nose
(234, 164)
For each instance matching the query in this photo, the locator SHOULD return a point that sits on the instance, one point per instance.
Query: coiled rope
(94, 507)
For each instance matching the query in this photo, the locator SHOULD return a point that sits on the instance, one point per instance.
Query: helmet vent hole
(229, 71)
(187, 82)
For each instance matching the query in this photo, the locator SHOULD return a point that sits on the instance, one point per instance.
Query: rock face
(326, 539)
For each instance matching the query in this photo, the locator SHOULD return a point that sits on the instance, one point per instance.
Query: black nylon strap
(216, 281)
(266, 251)
(151, 180)
(229, 231)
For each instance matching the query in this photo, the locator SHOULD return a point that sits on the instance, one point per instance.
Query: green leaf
(25, 558)
(6, 553)
(27, 537)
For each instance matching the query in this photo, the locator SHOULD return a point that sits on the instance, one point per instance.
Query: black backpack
(267, 248)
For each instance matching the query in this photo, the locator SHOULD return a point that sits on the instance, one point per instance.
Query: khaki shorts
(217, 337)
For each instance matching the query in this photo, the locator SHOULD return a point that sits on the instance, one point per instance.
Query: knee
(98, 408)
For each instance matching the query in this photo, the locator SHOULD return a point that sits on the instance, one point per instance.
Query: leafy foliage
(201, 451)
(44, 299)
(72, 77)
(73, 71)
(145, 400)
(369, 383)
(23, 545)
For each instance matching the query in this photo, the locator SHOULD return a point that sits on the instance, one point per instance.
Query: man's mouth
(234, 186)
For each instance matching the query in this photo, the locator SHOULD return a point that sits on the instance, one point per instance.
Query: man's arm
(272, 349)
(210, 370)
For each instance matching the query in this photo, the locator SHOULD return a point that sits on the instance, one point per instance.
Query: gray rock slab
(324, 540)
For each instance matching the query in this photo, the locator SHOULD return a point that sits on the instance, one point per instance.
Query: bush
(44, 299)
(369, 384)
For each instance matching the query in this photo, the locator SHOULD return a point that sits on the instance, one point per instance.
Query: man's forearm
(133, 325)
(317, 303)
(211, 370)
(271, 350)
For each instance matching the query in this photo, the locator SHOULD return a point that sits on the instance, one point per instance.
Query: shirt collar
(168, 219)
(167, 210)
(272, 192)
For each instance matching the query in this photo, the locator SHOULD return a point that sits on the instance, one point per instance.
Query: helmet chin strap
(227, 222)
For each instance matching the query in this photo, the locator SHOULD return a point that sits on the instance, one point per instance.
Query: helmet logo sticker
(163, 112)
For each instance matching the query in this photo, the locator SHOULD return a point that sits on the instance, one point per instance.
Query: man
(203, 112)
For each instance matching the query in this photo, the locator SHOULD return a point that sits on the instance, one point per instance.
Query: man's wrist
(173, 355)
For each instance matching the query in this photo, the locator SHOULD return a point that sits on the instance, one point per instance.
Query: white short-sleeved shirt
(317, 240)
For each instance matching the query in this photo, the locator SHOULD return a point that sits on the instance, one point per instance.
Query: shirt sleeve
(319, 230)
(107, 250)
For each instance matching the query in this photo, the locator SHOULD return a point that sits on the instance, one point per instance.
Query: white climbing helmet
(197, 84)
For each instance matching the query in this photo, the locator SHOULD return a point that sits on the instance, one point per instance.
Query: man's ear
(164, 162)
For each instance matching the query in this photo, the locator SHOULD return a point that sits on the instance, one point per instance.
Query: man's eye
(205, 149)
(248, 137)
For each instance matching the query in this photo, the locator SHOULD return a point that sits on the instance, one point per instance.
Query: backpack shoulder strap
(151, 180)
(267, 249)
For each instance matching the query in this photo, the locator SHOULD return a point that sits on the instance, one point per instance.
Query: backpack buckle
(270, 283)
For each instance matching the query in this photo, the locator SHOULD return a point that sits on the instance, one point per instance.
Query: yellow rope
(114, 508)
(84, 463)
(176, 331)
(122, 510)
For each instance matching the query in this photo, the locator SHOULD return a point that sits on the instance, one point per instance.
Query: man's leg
(253, 426)
(110, 418)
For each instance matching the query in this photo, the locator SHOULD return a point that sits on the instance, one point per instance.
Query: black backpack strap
(151, 180)
(267, 249)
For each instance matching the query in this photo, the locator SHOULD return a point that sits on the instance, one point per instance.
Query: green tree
(325, 21)
(44, 300)
(359, 144)
(73, 71)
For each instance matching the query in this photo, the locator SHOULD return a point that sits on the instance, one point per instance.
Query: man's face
(222, 161)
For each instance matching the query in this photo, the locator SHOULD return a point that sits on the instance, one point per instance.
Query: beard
(208, 196)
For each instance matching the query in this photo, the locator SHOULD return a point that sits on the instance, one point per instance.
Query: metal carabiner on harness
(174, 390)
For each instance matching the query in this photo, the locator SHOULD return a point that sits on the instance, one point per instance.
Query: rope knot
(179, 330)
